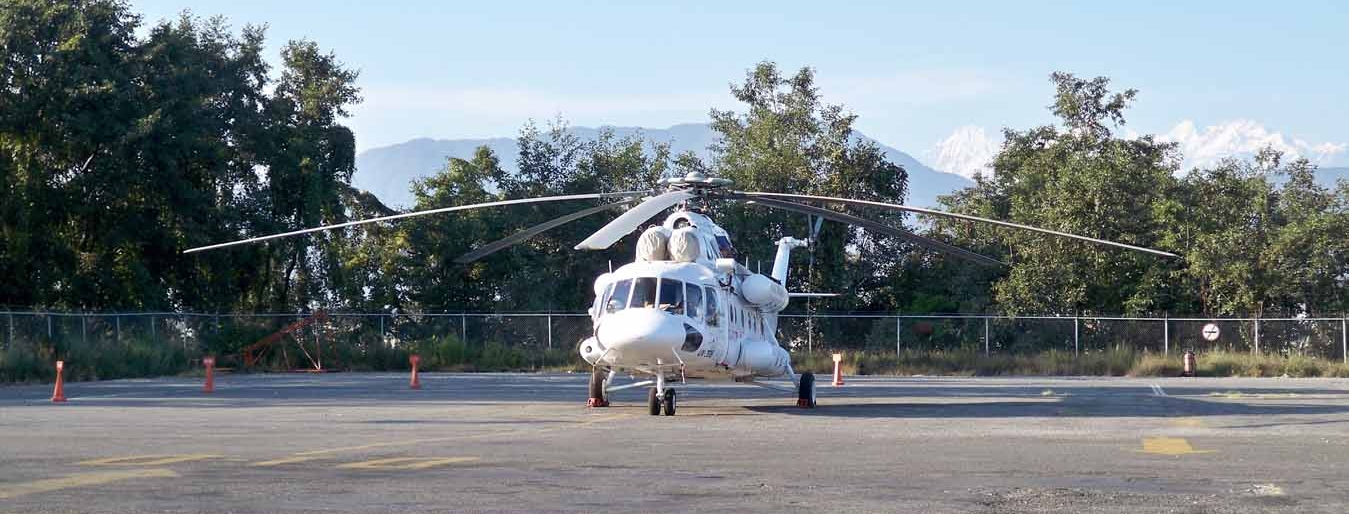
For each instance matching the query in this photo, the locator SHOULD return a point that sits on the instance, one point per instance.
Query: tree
(788, 140)
(1078, 178)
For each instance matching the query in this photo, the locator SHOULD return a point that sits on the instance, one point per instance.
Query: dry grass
(1054, 363)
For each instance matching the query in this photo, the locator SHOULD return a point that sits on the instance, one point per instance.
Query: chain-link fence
(144, 343)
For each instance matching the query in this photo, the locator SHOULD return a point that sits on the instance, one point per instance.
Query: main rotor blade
(623, 225)
(587, 196)
(931, 244)
(516, 238)
(965, 217)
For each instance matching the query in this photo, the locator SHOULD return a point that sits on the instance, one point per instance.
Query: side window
(643, 293)
(693, 299)
(713, 311)
(618, 299)
(671, 296)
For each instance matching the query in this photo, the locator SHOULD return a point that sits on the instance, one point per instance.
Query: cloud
(968, 150)
(1242, 138)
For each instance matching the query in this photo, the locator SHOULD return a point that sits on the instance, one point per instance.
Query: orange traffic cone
(415, 383)
(209, 362)
(59, 394)
(838, 373)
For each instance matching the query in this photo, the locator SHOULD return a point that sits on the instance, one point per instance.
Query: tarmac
(360, 442)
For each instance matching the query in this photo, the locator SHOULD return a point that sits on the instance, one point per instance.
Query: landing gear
(659, 399)
(669, 402)
(598, 381)
(652, 402)
(805, 391)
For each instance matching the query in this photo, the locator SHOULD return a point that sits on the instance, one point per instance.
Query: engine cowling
(764, 293)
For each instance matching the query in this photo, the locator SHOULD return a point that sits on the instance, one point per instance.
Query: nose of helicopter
(641, 334)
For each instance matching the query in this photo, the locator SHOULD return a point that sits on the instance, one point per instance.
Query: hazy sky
(915, 73)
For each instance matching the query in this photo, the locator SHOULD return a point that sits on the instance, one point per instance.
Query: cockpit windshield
(667, 294)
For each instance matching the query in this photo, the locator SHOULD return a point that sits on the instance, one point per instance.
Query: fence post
(381, 328)
(154, 336)
(1257, 336)
(1344, 339)
(117, 330)
(986, 339)
(463, 328)
(49, 326)
(899, 329)
(84, 330)
(9, 340)
(1076, 346)
(550, 330)
(1166, 333)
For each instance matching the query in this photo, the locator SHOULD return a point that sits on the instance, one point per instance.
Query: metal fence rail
(198, 333)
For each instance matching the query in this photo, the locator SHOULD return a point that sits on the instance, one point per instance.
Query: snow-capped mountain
(965, 152)
(1243, 139)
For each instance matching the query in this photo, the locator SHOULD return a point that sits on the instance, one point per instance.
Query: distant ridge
(388, 171)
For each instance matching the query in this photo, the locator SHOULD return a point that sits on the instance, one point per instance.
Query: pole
(1344, 339)
(550, 330)
(1166, 334)
(84, 330)
(986, 339)
(463, 328)
(154, 337)
(49, 326)
(1076, 346)
(899, 329)
(117, 334)
(1257, 336)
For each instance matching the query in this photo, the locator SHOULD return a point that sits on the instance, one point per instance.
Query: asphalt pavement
(357, 442)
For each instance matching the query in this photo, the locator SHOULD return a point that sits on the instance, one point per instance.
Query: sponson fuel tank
(765, 293)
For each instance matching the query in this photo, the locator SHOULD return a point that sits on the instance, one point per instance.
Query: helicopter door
(726, 350)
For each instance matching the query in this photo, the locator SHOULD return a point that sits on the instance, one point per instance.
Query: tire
(652, 402)
(806, 391)
(597, 384)
(669, 402)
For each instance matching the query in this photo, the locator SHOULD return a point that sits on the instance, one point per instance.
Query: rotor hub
(695, 180)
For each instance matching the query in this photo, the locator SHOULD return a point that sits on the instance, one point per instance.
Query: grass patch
(1054, 363)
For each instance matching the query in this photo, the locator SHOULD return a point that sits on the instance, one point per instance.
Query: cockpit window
(693, 298)
(671, 296)
(712, 309)
(724, 246)
(618, 298)
(643, 293)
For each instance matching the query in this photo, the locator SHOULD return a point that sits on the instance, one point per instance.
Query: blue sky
(915, 73)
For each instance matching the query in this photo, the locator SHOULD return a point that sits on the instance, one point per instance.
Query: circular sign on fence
(1210, 332)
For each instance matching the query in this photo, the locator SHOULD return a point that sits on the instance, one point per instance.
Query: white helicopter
(684, 308)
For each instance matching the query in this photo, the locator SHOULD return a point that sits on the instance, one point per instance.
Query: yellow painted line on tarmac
(1188, 422)
(286, 460)
(8, 491)
(407, 463)
(149, 460)
(1169, 446)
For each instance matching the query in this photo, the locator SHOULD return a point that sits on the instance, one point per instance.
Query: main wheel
(652, 402)
(805, 393)
(597, 396)
(669, 402)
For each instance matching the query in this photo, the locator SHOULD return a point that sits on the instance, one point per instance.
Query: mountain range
(388, 171)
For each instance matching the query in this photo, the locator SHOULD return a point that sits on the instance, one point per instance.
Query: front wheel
(669, 402)
(652, 402)
(805, 392)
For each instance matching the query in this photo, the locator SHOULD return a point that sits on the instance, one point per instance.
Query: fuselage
(676, 310)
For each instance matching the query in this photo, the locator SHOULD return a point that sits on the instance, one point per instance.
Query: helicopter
(684, 308)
